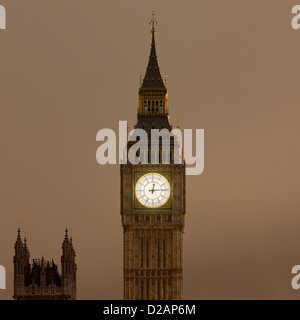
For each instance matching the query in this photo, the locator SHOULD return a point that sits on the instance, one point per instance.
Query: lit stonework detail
(153, 235)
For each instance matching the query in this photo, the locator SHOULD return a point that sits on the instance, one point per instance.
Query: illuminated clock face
(152, 190)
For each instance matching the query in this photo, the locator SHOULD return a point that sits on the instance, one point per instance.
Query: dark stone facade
(41, 279)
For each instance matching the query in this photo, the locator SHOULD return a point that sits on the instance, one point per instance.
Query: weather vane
(153, 22)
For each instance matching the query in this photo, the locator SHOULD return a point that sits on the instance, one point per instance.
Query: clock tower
(153, 201)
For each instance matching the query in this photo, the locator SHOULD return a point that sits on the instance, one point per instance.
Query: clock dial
(152, 190)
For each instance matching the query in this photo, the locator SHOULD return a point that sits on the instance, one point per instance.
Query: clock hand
(153, 188)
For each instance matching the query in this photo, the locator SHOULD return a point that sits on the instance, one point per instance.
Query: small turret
(19, 266)
(69, 268)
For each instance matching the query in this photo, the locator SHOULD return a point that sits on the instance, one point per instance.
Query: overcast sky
(70, 68)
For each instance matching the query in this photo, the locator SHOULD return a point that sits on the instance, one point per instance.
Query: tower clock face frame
(152, 190)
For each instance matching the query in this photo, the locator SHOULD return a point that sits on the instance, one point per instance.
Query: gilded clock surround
(137, 205)
(169, 190)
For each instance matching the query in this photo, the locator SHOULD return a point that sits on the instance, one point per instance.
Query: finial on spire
(153, 22)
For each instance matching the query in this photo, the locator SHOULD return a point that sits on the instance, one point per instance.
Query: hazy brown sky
(69, 68)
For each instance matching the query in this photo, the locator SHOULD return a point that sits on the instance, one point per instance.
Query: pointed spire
(71, 238)
(153, 80)
(19, 240)
(66, 242)
(26, 251)
(153, 22)
(19, 243)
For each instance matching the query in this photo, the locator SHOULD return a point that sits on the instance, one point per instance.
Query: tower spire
(153, 80)
(153, 22)
(66, 234)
